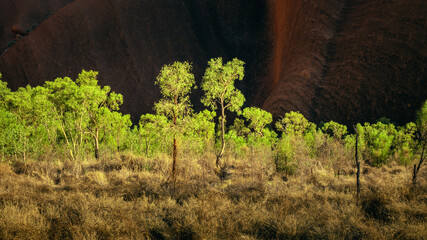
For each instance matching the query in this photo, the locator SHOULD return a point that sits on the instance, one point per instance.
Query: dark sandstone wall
(22, 15)
(334, 59)
(376, 64)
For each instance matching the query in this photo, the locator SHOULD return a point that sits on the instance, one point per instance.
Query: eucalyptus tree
(67, 110)
(175, 82)
(257, 118)
(10, 133)
(29, 106)
(98, 104)
(219, 90)
(82, 108)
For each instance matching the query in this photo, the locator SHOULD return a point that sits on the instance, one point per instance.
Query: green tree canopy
(257, 118)
(294, 123)
(82, 108)
(219, 89)
(334, 129)
(153, 131)
(218, 85)
(175, 82)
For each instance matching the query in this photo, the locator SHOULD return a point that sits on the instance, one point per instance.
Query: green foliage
(175, 82)
(218, 85)
(237, 138)
(334, 129)
(118, 130)
(84, 109)
(10, 133)
(262, 138)
(257, 118)
(294, 123)
(67, 109)
(285, 159)
(200, 131)
(29, 105)
(240, 128)
(378, 142)
(98, 104)
(404, 143)
(81, 116)
(153, 131)
(4, 92)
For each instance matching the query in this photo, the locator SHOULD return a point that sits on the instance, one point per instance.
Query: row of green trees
(81, 117)
(73, 115)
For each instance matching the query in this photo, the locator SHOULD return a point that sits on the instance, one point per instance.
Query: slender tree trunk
(357, 165)
(417, 169)
(25, 150)
(96, 144)
(175, 147)
(67, 141)
(218, 158)
(146, 147)
(118, 143)
(175, 156)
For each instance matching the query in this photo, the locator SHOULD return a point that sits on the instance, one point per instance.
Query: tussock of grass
(129, 197)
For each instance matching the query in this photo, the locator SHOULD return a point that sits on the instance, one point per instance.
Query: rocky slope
(344, 60)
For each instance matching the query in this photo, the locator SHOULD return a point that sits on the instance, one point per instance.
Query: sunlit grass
(129, 197)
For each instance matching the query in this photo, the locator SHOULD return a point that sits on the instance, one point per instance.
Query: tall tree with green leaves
(67, 110)
(218, 86)
(30, 106)
(175, 82)
(82, 108)
(98, 104)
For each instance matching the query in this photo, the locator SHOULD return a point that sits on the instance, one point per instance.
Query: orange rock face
(343, 60)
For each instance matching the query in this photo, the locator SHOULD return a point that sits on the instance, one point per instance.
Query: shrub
(404, 143)
(285, 160)
(294, 123)
(334, 129)
(379, 140)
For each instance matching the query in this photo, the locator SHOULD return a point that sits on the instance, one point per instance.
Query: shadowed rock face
(21, 16)
(343, 60)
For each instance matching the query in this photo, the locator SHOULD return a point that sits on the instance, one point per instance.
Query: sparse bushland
(124, 196)
(294, 183)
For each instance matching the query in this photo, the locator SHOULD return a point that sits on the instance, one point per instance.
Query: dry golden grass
(129, 197)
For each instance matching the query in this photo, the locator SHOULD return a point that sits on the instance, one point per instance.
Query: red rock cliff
(342, 60)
